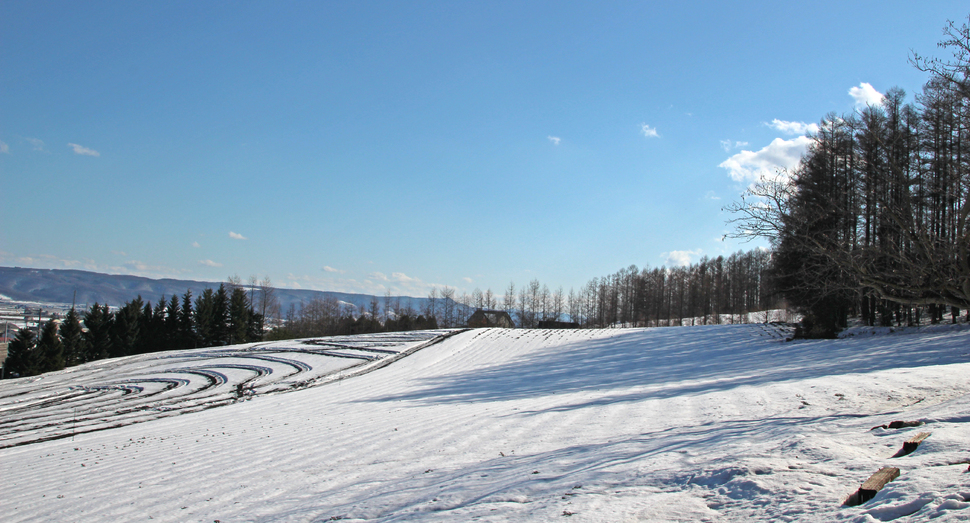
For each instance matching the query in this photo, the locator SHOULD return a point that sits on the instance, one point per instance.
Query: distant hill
(59, 286)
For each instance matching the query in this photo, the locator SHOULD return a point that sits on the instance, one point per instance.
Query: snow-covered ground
(712, 423)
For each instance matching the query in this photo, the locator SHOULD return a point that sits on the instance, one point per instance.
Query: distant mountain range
(59, 286)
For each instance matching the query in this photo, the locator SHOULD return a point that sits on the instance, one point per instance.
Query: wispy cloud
(196, 245)
(328, 268)
(119, 253)
(35, 143)
(793, 127)
(727, 145)
(210, 263)
(141, 267)
(679, 258)
(711, 195)
(468, 280)
(750, 166)
(82, 150)
(379, 276)
(237, 236)
(4, 148)
(554, 139)
(865, 95)
(649, 132)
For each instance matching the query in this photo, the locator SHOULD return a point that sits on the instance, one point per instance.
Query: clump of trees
(874, 221)
(228, 315)
(329, 317)
(703, 292)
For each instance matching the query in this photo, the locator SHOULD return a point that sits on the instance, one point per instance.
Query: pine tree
(71, 338)
(50, 349)
(205, 319)
(147, 340)
(187, 335)
(220, 316)
(97, 338)
(124, 328)
(240, 316)
(171, 328)
(21, 355)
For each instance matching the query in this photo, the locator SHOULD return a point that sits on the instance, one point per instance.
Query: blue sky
(367, 146)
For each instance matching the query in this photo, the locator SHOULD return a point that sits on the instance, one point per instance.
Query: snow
(713, 423)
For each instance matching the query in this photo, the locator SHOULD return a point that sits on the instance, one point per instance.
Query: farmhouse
(490, 318)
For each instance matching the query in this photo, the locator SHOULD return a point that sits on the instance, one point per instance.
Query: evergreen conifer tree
(50, 349)
(124, 328)
(187, 338)
(204, 318)
(71, 338)
(97, 338)
(171, 327)
(220, 316)
(240, 316)
(21, 356)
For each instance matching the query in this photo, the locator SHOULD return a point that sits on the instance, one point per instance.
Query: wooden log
(904, 424)
(874, 484)
(898, 425)
(912, 443)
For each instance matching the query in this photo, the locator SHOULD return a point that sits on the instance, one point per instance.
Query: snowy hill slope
(712, 423)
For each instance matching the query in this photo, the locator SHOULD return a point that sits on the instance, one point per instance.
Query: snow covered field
(713, 423)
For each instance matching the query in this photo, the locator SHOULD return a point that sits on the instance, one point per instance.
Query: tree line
(327, 316)
(703, 292)
(873, 223)
(228, 315)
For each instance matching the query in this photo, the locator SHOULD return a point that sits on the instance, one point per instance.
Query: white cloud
(648, 131)
(468, 280)
(865, 95)
(119, 253)
(328, 268)
(237, 236)
(36, 143)
(82, 150)
(4, 148)
(679, 258)
(196, 245)
(141, 267)
(727, 145)
(376, 283)
(793, 127)
(210, 263)
(750, 166)
(554, 139)
(711, 195)
(402, 278)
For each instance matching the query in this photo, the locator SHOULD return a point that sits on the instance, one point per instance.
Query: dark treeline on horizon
(228, 315)
(699, 293)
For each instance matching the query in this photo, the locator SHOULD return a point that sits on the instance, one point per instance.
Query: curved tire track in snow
(118, 392)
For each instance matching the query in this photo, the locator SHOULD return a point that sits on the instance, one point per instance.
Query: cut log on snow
(898, 425)
(911, 444)
(904, 424)
(874, 484)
